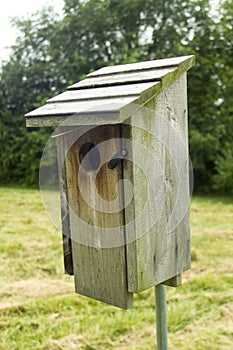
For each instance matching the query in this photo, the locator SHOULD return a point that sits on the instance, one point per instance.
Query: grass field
(39, 310)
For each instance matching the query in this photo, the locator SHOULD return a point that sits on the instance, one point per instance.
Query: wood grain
(78, 107)
(106, 96)
(65, 217)
(174, 281)
(100, 273)
(146, 65)
(124, 78)
(87, 118)
(115, 98)
(157, 256)
(102, 92)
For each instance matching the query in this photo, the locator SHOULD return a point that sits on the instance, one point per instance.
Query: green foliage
(20, 154)
(223, 180)
(27, 79)
(52, 52)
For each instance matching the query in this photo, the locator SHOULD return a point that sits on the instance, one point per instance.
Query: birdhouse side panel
(161, 249)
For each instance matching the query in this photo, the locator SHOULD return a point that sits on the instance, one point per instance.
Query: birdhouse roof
(104, 96)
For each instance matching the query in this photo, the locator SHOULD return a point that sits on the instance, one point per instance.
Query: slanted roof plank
(85, 118)
(76, 107)
(139, 66)
(124, 78)
(102, 92)
(110, 94)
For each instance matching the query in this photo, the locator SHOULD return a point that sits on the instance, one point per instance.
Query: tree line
(53, 51)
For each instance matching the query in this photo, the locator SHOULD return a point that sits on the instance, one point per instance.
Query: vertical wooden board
(160, 255)
(174, 281)
(65, 219)
(99, 265)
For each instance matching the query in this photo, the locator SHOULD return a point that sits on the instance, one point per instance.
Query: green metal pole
(161, 317)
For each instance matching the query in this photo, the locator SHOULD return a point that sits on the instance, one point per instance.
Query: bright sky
(20, 8)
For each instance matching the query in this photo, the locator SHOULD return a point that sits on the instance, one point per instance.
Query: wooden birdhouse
(124, 172)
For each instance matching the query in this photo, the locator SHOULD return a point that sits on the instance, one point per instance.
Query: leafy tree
(52, 52)
(223, 179)
(27, 79)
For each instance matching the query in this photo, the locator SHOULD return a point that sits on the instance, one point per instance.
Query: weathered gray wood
(104, 92)
(124, 78)
(60, 113)
(75, 119)
(65, 218)
(174, 281)
(100, 273)
(158, 255)
(153, 97)
(166, 62)
(76, 107)
(105, 98)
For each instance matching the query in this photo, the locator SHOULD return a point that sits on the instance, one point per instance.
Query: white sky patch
(16, 8)
(23, 8)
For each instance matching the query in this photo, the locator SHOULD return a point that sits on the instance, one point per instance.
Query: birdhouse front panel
(96, 213)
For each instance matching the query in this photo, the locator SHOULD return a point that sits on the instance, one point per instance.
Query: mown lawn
(39, 310)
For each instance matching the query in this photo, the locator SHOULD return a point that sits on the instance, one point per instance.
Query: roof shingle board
(109, 89)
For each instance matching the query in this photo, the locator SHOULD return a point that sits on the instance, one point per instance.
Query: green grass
(40, 311)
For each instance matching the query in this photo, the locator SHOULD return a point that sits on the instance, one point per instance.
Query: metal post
(161, 317)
